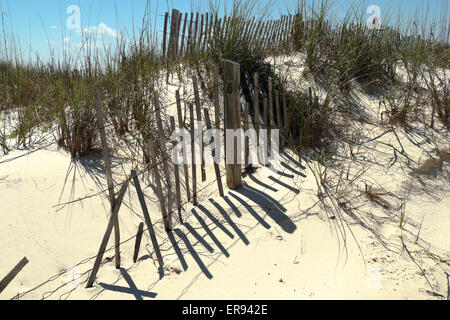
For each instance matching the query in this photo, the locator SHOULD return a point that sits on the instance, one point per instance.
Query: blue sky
(44, 22)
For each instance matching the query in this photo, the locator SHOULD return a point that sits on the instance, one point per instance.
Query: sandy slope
(273, 239)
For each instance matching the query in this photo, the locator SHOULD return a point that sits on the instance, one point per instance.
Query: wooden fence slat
(268, 32)
(232, 108)
(173, 36)
(216, 165)
(271, 120)
(194, 166)
(195, 31)
(220, 30)
(254, 34)
(205, 38)
(148, 220)
(177, 175)
(281, 31)
(183, 34)
(259, 34)
(278, 109)
(189, 42)
(185, 166)
(199, 119)
(263, 156)
(201, 33)
(12, 274)
(285, 117)
(166, 18)
(177, 37)
(151, 147)
(216, 101)
(256, 103)
(137, 243)
(165, 157)
(248, 27)
(108, 169)
(227, 29)
(251, 30)
(224, 28)
(246, 140)
(106, 236)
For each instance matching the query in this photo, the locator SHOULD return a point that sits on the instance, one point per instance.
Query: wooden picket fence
(272, 114)
(186, 32)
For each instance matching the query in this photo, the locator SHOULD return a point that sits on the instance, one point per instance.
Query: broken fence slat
(12, 274)
(137, 243)
(147, 218)
(107, 235)
(108, 168)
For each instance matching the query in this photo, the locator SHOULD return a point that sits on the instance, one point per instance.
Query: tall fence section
(269, 111)
(187, 32)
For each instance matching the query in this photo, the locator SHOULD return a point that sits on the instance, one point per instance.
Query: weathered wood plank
(232, 83)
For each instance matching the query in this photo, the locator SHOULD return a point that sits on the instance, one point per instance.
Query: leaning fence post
(232, 83)
(147, 218)
(109, 179)
(107, 234)
(12, 274)
(216, 164)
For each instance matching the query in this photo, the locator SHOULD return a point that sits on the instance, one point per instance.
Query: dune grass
(341, 53)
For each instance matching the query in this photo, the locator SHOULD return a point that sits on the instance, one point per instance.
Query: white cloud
(101, 29)
(54, 27)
